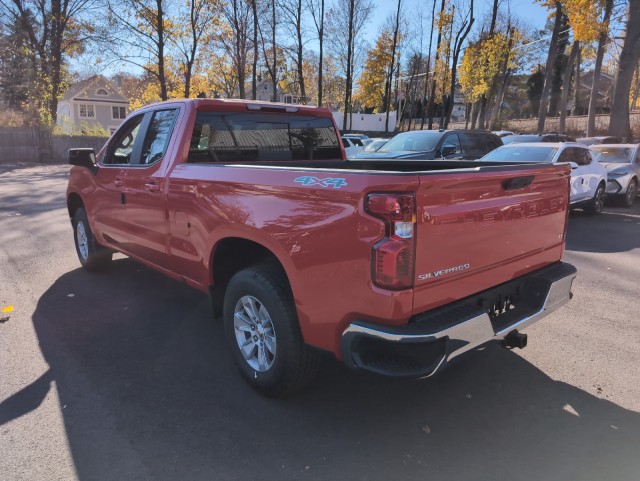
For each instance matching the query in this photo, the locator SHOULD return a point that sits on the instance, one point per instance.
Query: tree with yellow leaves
(486, 67)
(371, 84)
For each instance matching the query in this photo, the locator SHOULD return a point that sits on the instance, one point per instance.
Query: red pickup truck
(395, 267)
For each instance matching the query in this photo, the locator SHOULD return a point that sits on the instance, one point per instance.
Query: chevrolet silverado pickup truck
(394, 267)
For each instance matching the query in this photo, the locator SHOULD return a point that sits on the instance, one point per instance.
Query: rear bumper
(432, 339)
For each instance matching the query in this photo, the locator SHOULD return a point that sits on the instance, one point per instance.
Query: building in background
(92, 103)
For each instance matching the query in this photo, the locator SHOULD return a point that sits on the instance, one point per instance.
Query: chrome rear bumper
(432, 339)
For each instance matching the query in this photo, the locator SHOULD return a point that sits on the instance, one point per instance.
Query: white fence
(367, 122)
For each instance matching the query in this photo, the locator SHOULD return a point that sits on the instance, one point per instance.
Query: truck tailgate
(477, 231)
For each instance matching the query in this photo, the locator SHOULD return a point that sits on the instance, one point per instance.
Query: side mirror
(448, 150)
(573, 165)
(83, 158)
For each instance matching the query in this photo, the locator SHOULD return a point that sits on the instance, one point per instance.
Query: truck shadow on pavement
(150, 393)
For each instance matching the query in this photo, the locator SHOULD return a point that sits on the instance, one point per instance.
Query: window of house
(118, 112)
(101, 92)
(87, 111)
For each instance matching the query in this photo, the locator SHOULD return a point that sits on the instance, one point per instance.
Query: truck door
(107, 208)
(144, 191)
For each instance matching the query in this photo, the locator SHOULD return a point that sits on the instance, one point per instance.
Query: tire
(259, 314)
(595, 205)
(629, 196)
(92, 255)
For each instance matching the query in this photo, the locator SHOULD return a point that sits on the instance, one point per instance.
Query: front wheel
(596, 204)
(262, 331)
(630, 194)
(92, 256)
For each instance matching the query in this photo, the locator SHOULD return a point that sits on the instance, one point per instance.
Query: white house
(94, 101)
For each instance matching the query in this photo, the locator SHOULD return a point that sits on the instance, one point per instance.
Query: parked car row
(601, 166)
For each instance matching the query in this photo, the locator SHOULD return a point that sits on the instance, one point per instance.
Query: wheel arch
(74, 202)
(233, 254)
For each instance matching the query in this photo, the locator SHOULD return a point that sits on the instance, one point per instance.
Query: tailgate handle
(517, 182)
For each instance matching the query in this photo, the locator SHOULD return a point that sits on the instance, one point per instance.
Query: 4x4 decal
(336, 183)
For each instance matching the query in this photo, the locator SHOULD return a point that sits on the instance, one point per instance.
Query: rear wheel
(596, 204)
(93, 256)
(262, 331)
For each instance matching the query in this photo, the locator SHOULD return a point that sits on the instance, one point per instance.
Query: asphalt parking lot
(124, 376)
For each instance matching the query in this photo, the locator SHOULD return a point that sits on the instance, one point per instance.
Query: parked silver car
(623, 169)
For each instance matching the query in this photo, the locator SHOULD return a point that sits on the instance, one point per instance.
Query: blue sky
(527, 10)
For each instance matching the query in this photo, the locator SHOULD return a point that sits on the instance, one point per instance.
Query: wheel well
(74, 202)
(232, 255)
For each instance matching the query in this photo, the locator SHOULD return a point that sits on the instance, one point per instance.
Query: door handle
(152, 187)
(118, 182)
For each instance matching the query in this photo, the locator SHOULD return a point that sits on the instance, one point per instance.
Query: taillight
(393, 257)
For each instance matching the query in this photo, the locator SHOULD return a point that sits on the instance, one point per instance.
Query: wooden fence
(33, 144)
(575, 124)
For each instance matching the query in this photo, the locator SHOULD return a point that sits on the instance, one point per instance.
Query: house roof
(86, 90)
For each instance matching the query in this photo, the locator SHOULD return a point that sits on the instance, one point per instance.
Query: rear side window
(583, 157)
(474, 144)
(493, 142)
(568, 155)
(260, 137)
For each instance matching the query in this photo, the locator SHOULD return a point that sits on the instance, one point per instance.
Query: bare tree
(387, 94)
(344, 53)
(199, 22)
(426, 76)
(461, 35)
(254, 64)
(142, 37)
(317, 13)
(430, 102)
(292, 13)
(237, 46)
(268, 28)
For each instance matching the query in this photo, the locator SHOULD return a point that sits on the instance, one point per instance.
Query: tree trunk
(576, 95)
(602, 40)
(254, 66)
(566, 85)
(274, 71)
(548, 74)
(619, 124)
(474, 115)
(320, 67)
(636, 89)
(392, 66)
(426, 77)
(433, 81)
(457, 47)
(300, 56)
(347, 93)
(482, 114)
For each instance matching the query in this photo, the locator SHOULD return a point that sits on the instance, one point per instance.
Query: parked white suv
(352, 145)
(588, 176)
